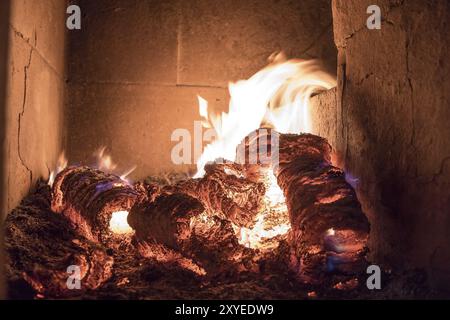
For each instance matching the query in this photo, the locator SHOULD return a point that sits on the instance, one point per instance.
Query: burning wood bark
(180, 222)
(329, 230)
(166, 220)
(225, 191)
(90, 198)
(41, 247)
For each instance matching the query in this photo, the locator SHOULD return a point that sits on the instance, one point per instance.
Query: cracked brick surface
(34, 109)
(392, 126)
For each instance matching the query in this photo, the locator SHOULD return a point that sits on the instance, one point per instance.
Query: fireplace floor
(41, 245)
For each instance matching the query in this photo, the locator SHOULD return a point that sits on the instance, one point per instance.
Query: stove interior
(225, 150)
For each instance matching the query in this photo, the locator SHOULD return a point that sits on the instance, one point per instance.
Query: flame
(61, 164)
(276, 96)
(105, 163)
(119, 224)
(203, 110)
(104, 160)
(272, 222)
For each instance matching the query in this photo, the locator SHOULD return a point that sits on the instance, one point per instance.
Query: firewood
(167, 220)
(41, 245)
(322, 206)
(226, 192)
(88, 197)
(180, 222)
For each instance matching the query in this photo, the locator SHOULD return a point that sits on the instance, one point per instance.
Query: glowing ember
(119, 224)
(272, 222)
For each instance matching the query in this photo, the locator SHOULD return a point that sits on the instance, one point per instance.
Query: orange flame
(61, 164)
(271, 222)
(105, 163)
(104, 160)
(276, 96)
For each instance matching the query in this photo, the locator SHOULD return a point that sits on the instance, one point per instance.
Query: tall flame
(278, 95)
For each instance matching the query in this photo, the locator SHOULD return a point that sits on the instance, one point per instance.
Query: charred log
(225, 191)
(325, 213)
(166, 220)
(189, 234)
(329, 230)
(88, 197)
(40, 247)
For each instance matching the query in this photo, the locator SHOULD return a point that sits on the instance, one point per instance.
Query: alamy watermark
(374, 20)
(259, 147)
(73, 22)
(374, 280)
(74, 280)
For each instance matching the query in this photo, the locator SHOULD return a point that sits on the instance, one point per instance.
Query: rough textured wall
(137, 66)
(323, 115)
(393, 126)
(4, 27)
(34, 94)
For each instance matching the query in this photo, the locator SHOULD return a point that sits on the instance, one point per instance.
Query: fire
(105, 163)
(104, 160)
(272, 222)
(119, 224)
(61, 164)
(276, 96)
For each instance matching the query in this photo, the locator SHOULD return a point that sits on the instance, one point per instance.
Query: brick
(123, 42)
(392, 123)
(43, 24)
(135, 122)
(230, 40)
(35, 145)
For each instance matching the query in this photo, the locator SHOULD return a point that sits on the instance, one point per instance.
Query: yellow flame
(273, 221)
(104, 160)
(278, 95)
(105, 163)
(203, 110)
(119, 224)
(61, 164)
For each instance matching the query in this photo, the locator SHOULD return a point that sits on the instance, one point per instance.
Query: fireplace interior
(206, 149)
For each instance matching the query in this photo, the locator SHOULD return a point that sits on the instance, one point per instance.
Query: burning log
(41, 246)
(166, 220)
(325, 213)
(329, 230)
(225, 191)
(181, 223)
(94, 201)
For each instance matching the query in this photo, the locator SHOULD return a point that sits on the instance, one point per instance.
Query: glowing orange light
(119, 224)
